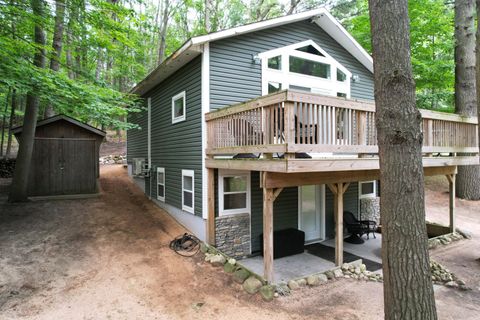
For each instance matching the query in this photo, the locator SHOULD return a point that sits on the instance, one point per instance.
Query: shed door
(63, 166)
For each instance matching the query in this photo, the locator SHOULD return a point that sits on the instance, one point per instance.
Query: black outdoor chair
(357, 228)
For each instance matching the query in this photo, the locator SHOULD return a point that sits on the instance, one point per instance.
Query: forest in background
(96, 50)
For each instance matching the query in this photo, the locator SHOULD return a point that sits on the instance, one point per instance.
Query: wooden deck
(339, 133)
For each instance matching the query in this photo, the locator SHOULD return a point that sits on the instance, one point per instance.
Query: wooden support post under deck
(268, 198)
(338, 189)
(211, 206)
(451, 183)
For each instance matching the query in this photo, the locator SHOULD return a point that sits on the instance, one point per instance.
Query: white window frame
(175, 98)
(189, 173)
(368, 195)
(226, 174)
(161, 170)
(286, 78)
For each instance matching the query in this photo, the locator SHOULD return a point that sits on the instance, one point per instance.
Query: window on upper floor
(179, 107)
(303, 65)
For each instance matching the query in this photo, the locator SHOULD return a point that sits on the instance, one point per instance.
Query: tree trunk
(408, 289)
(477, 63)
(4, 120)
(56, 46)
(468, 177)
(163, 32)
(19, 188)
(208, 12)
(10, 123)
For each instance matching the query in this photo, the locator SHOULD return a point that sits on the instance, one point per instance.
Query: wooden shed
(65, 158)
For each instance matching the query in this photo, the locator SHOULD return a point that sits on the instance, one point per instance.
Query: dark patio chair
(357, 228)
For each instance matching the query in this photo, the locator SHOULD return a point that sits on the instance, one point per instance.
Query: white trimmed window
(188, 187)
(161, 184)
(367, 189)
(306, 67)
(179, 110)
(234, 192)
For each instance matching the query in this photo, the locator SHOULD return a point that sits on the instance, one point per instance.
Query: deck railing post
(451, 188)
(289, 125)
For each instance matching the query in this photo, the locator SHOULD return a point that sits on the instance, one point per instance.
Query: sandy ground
(108, 258)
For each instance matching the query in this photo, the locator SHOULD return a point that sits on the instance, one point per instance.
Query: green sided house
(270, 127)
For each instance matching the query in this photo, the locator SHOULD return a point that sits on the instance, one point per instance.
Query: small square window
(178, 107)
(274, 87)
(188, 187)
(367, 189)
(234, 192)
(275, 63)
(161, 184)
(341, 76)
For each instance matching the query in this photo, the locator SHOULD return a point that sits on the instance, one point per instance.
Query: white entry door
(311, 209)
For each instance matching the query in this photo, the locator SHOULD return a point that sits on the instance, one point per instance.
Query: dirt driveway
(108, 258)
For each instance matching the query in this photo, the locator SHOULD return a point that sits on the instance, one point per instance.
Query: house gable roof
(194, 47)
(59, 117)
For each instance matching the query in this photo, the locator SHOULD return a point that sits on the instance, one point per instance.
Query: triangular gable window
(310, 49)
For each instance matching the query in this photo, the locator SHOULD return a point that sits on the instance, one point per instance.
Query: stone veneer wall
(232, 235)
(370, 209)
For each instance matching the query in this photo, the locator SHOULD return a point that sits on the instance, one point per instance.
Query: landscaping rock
(240, 275)
(363, 268)
(218, 260)
(203, 247)
(267, 292)
(329, 274)
(337, 273)
(302, 282)
(232, 261)
(283, 289)
(357, 271)
(252, 285)
(345, 266)
(229, 268)
(313, 280)
(322, 277)
(293, 285)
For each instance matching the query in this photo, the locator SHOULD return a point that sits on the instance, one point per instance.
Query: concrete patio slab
(291, 267)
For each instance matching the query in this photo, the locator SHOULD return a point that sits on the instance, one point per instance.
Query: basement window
(188, 190)
(234, 192)
(161, 184)
(178, 107)
(367, 189)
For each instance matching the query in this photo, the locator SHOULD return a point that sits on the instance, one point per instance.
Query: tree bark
(19, 188)
(163, 32)
(10, 123)
(408, 289)
(4, 120)
(56, 46)
(468, 177)
(477, 63)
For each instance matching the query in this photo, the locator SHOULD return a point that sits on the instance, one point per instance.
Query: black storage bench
(286, 242)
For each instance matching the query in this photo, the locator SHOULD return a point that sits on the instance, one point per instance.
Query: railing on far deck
(289, 122)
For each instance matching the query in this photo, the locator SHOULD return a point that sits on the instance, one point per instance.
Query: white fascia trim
(205, 108)
(258, 26)
(331, 26)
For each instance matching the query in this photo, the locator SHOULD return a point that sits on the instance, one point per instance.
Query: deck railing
(290, 122)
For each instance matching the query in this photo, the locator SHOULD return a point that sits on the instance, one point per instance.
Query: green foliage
(432, 46)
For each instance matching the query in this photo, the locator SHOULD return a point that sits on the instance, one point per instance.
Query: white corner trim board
(205, 108)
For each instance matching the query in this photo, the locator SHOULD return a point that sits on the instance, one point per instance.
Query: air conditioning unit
(138, 167)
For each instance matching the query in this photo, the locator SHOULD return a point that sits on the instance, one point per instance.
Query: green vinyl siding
(137, 138)
(285, 210)
(234, 77)
(178, 146)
